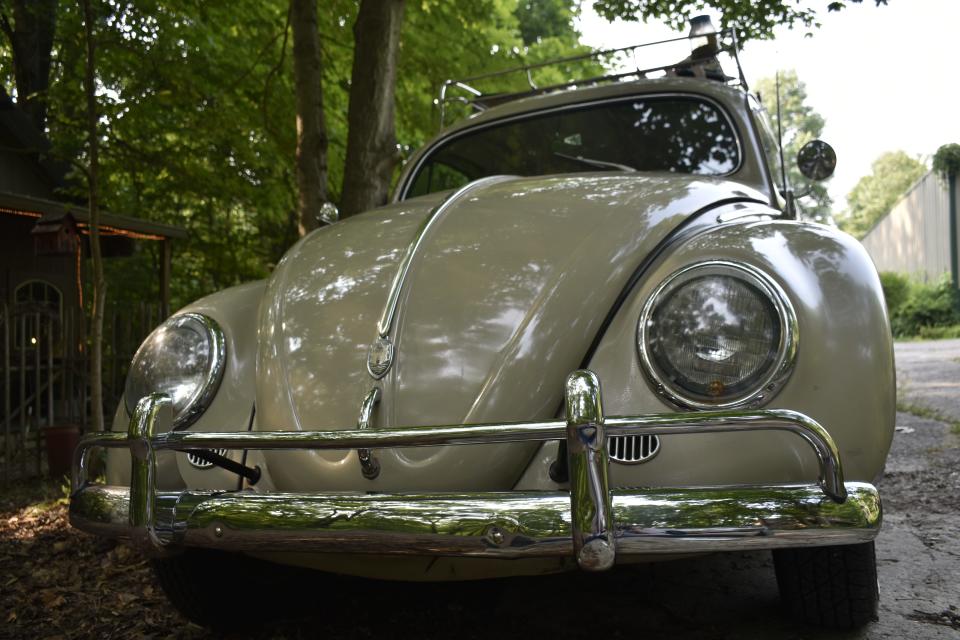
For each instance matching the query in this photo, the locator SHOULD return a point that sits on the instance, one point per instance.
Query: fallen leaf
(52, 599)
(122, 553)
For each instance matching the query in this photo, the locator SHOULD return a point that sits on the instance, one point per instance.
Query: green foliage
(489, 37)
(197, 129)
(926, 309)
(874, 195)
(946, 161)
(896, 288)
(199, 125)
(801, 123)
(753, 19)
(539, 20)
(940, 333)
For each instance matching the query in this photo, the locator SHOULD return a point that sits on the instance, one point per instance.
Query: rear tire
(208, 588)
(833, 587)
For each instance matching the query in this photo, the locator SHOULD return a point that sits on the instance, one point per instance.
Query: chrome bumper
(591, 522)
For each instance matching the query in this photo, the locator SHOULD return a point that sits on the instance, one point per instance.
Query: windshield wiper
(600, 164)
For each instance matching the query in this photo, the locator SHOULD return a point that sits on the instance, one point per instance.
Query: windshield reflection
(679, 134)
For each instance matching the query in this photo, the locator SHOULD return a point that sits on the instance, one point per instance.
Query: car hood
(503, 297)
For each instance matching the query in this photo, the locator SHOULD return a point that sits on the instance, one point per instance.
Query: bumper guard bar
(591, 522)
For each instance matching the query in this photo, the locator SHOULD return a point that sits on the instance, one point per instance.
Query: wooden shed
(44, 242)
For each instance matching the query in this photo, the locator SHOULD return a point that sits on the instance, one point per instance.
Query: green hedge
(918, 309)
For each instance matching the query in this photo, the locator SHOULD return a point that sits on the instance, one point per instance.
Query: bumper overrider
(590, 522)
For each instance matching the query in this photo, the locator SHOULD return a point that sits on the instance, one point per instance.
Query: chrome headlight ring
(184, 357)
(758, 388)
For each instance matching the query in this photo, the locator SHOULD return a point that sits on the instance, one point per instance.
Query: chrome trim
(830, 477)
(390, 310)
(595, 523)
(618, 446)
(214, 375)
(504, 525)
(589, 497)
(743, 216)
(369, 465)
(152, 412)
(591, 511)
(768, 386)
(408, 177)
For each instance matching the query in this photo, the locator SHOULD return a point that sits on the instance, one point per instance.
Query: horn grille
(633, 449)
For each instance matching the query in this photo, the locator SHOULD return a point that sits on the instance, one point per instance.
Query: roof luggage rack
(705, 41)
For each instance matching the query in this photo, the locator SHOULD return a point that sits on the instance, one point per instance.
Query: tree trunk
(31, 41)
(371, 137)
(311, 129)
(99, 284)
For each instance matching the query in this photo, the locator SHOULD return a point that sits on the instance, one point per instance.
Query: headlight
(184, 358)
(717, 335)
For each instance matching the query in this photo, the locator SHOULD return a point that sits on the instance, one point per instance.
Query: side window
(39, 296)
(767, 140)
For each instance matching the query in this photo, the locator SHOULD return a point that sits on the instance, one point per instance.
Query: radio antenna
(783, 166)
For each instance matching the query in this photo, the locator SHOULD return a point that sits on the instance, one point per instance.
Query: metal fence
(914, 238)
(44, 368)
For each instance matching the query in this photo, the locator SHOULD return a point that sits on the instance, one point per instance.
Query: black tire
(207, 587)
(832, 587)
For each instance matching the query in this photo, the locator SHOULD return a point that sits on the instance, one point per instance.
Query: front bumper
(591, 522)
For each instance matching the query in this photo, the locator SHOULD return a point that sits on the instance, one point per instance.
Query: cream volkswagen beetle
(588, 331)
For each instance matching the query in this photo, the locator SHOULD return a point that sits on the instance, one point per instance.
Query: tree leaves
(198, 114)
(874, 195)
(60, 583)
(753, 20)
(801, 123)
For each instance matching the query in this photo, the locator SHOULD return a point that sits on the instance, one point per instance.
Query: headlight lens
(717, 335)
(184, 358)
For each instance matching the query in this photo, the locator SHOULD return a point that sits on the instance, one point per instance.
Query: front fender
(235, 310)
(843, 375)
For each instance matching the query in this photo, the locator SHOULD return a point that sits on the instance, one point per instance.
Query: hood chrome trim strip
(390, 310)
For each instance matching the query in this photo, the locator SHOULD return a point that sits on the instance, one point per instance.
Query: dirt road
(56, 582)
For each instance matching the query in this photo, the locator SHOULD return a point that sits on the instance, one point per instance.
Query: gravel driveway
(58, 583)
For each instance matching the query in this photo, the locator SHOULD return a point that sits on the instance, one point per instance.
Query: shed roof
(137, 228)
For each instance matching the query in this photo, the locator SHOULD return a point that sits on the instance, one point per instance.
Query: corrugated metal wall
(914, 238)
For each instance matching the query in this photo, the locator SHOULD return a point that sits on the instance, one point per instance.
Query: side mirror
(817, 160)
(329, 213)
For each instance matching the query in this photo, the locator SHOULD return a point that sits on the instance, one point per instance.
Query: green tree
(753, 19)
(29, 29)
(539, 20)
(197, 108)
(800, 124)
(372, 151)
(874, 195)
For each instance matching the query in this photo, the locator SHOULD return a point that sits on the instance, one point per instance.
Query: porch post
(954, 240)
(165, 259)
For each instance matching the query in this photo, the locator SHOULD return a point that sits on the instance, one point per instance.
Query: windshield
(677, 134)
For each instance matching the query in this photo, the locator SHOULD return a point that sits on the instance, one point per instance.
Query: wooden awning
(110, 223)
(119, 227)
